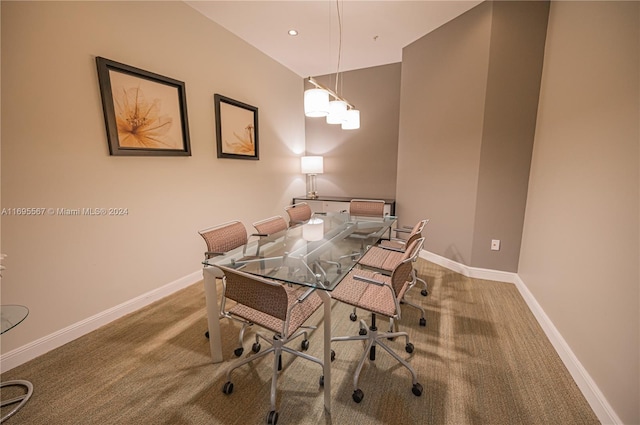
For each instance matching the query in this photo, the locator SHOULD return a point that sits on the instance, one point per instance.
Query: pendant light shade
(316, 103)
(352, 120)
(337, 112)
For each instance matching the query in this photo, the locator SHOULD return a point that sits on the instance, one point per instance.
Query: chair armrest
(306, 294)
(390, 248)
(401, 230)
(368, 280)
(209, 254)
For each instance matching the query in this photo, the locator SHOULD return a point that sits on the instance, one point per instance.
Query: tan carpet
(482, 359)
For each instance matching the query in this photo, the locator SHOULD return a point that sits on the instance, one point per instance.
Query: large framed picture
(236, 129)
(145, 113)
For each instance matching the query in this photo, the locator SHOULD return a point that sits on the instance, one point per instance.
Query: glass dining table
(318, 253)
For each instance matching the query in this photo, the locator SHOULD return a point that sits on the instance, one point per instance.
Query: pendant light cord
(339, 44)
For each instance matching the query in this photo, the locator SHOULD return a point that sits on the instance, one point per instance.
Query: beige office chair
(366, 208)
(221, 239)
(385, 260)
(279, 308)
(298, 213)
(270, 225)
(380, 295)
(399, 244)
(266, 228)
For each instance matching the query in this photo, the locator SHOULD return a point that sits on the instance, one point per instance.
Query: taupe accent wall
(469, 100)
(580, 253)
(362, 162)
(444, 78)
(518, 31)
(54, 155)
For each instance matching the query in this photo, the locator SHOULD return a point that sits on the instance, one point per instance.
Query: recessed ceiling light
(293, 32)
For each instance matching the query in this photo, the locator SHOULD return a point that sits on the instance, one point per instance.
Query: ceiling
(373, 32)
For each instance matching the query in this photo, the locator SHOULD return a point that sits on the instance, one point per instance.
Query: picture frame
(236, 129)
(145, 113)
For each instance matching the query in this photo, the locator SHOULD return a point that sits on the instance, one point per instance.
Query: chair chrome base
(22, 399)
(277, 346)
(374, 338)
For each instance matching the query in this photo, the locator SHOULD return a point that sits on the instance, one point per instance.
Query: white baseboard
(43, 345)
(588, 387)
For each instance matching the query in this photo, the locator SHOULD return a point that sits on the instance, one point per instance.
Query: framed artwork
(236, 129)
(145, 113)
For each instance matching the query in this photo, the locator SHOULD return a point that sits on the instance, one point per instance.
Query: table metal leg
(326, 300)
(213, 312)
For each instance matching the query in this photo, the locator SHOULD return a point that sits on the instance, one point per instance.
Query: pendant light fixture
(339, 110)
(316, 103)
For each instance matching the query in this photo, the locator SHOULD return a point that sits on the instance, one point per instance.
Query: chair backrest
(400, 276)
(416, 232)
(225, 237)
(271, 225)
(253, 291)
(366, 207)
(298, 213)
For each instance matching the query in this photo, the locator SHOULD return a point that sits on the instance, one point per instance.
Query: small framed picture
(145, 113)
(236, 129)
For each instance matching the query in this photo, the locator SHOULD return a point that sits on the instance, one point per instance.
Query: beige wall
(580, 254)
(54, 154)
(360, 163)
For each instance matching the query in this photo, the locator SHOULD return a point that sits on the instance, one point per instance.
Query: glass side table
(11, 316)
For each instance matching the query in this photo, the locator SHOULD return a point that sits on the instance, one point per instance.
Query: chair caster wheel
(238, 351)
(362, 331)
(353, 317)
(424, 292)
(322, 381)
(423, 321)
(272, 418)
(408, 348)
(417, 389)
(333, 355)
(357, 395)
(206, 334)
(255, 347)
(227, 388)
(304, 345)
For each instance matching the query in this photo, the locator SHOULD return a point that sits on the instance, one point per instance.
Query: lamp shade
(352, 120)
(311, 165)
(316, 103)
(337, 111)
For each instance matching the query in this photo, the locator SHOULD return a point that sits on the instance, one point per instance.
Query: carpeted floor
(482, 359)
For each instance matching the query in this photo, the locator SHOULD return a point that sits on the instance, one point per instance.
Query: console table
(341, 203)
(10, 317)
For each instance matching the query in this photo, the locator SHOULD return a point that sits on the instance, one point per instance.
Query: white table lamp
(311, 165)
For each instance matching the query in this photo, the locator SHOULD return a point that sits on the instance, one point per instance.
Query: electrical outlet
(495, 245)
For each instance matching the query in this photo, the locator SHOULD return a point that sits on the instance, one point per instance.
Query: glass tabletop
(318, 253)
(11, 316)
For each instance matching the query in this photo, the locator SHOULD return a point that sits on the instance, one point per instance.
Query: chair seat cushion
(381, 258)
(298, 316)
(393, 243)
(369, 296)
